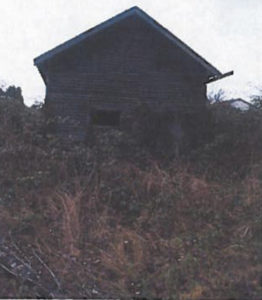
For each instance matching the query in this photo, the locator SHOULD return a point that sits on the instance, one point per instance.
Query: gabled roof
(132, 11)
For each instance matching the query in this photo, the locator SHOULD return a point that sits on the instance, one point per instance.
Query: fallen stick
(45, 290)
(48, 269)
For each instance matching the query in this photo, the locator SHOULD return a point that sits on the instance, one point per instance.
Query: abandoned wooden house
(101, 75)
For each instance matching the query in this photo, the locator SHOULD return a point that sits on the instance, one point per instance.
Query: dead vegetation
(94, 222)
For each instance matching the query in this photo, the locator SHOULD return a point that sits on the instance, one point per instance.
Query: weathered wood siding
(124, 65)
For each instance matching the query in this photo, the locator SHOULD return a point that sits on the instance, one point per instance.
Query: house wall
(127, 64)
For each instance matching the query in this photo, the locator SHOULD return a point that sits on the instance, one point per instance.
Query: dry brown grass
(66, 209)
(109, 226)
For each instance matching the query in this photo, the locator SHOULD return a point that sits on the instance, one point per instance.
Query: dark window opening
(106, 118)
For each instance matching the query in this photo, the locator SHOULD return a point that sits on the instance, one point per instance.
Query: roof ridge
(134, 7)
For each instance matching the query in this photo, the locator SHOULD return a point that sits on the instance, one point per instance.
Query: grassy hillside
(115, 220)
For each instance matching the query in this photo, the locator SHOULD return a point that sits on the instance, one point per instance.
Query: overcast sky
(227, 33)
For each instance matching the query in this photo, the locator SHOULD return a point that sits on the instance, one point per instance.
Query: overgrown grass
(111, 220)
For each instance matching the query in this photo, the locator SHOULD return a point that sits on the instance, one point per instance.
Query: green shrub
(236, 142)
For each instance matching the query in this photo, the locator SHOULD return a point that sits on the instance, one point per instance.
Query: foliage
(236, 143)
(167, 134)
(12, 92)
(112, 220)
(257, 101)
(216, 97)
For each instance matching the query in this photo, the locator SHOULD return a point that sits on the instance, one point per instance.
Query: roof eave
(81, 37)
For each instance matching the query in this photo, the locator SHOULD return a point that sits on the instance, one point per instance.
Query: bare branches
(22, 271)
(48, 269)
(13, 264)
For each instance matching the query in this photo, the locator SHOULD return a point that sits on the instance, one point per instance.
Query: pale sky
(227, 33)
